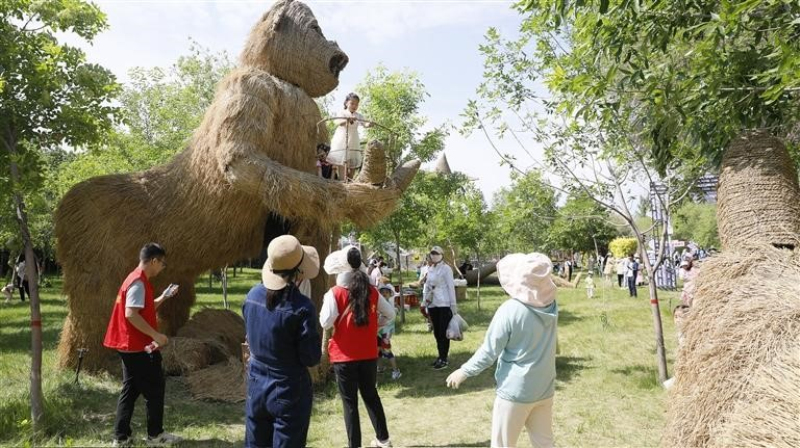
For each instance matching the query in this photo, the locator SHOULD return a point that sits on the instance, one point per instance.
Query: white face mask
(436, 258)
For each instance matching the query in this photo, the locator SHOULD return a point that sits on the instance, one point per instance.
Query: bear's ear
(279, 18)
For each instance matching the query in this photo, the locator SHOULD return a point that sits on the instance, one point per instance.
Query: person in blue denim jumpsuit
(284, 343)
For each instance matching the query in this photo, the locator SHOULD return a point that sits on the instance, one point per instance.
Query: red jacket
(121, 334)
(350, 342)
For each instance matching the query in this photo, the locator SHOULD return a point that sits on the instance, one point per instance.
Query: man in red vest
(133, 333)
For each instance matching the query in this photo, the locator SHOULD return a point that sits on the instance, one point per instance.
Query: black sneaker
(440, 365)
(435, 363)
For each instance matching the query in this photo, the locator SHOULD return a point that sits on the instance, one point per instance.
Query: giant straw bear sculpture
(246, 175)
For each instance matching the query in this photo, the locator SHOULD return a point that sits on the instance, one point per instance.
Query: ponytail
(276, 297)
(358, 288)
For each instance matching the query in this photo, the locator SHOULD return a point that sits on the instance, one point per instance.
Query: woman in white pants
(522, 339)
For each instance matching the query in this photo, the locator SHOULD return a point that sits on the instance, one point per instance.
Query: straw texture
(373, 170)
(738, 369)
(220, 382)
(758, 193)
(246, 176)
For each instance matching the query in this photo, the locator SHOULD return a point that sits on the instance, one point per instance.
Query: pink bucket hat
(526, 277)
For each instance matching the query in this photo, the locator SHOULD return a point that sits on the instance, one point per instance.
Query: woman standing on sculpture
(351, 310)
(346, 143)
(284, 343)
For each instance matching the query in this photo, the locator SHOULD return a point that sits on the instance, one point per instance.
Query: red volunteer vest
(350, 342)
(121, 334)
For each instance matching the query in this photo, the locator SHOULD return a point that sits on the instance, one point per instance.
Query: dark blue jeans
(278, 407)
(632, 286)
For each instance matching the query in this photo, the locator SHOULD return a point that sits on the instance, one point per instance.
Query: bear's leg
(86, 331)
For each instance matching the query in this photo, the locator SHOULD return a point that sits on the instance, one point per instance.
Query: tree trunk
(400, 270)
(225, 287)
(37, 404)
(661, 353)
(478, 262)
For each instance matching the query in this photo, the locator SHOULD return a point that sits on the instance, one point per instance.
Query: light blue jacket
(522, 339)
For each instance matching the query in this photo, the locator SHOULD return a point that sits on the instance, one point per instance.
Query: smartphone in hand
(171, 290)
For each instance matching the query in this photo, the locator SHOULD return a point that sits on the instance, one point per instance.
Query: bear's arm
(246, 127)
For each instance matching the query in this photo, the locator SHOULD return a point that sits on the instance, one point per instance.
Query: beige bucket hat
(285, 253)
(526, 277)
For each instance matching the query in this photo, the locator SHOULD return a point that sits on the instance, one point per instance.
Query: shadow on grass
(568, 367)
(209, 443)
(467, 444)
(421, 381)
(87, 412)
(642, 376)
(566, 318)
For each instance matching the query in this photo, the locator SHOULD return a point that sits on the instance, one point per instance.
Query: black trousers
(619, 279)
(23, 289)
(354, 377)
(141, 375)
(440, 317)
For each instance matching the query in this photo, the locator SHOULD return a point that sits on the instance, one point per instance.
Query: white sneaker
(123, 443)
(378, 443)
(396, 374)
(164, 439)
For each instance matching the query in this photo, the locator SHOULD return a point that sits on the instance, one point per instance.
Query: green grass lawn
(607, 393)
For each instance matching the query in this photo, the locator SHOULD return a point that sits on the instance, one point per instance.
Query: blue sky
(437, 39)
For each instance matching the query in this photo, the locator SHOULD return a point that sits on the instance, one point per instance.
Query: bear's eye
(316, 28)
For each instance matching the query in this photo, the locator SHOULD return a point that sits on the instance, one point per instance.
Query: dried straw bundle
(222, 382)
(373, 170)
(738, 364)
(757, 162)
(185, 355)
(223, 326)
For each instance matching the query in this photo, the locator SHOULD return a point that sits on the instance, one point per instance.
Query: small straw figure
(589, 286)
(345, 153)
(373, 171)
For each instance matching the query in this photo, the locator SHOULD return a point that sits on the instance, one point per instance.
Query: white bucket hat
(526, 277)
(285, 253)
(336, 262)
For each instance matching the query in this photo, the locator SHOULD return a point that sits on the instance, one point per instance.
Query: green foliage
(525, 211)
(162, 107)
(695, 72)
(393, 101)
(698, 223)
(49, 97)
(582, 225)
(623, 247)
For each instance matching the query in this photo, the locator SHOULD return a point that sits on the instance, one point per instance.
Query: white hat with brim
(526, 277)
(285, 254)
(436, 250)
(336, 262)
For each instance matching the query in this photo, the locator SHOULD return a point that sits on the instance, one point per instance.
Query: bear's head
(288, 43)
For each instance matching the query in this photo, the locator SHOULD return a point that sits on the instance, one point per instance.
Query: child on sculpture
(522, 339)
(346, 143)
(132, 332)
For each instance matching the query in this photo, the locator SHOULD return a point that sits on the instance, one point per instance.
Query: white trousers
(508, 419)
